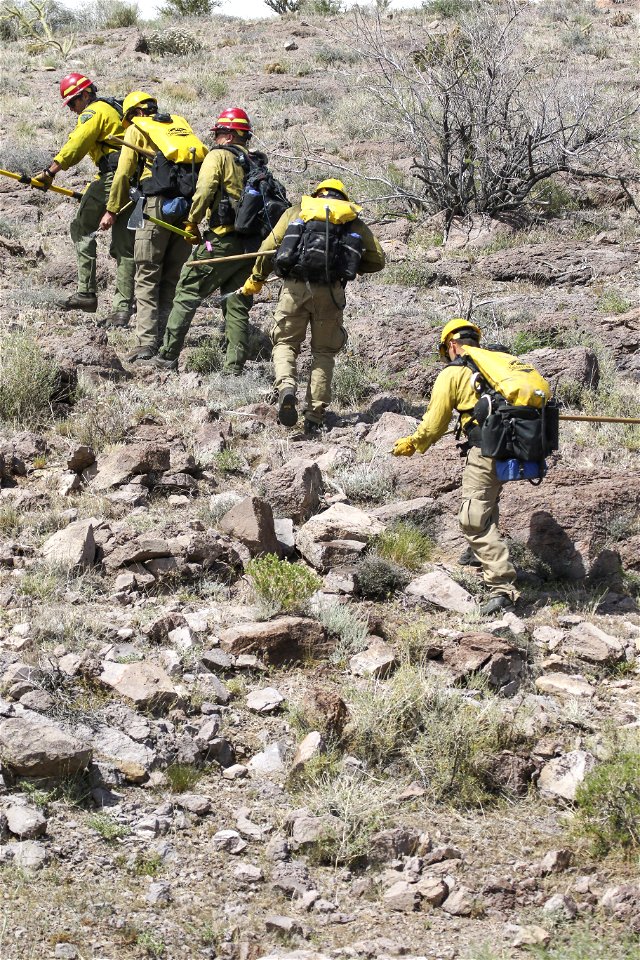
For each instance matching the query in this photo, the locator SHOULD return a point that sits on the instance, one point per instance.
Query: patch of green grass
(108, 828)
(352, 381)
(447, 9)
(405, 544)
(410, 273)
(612, 301)
(608, 802)
(152, 944)
(228, 461)
(282, 586)
(146, 865)
(206, 358)
(182, 776)
(579, 942)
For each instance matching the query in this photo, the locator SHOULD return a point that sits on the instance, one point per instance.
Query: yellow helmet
(133, 100)
(331, 184)
(453, 330)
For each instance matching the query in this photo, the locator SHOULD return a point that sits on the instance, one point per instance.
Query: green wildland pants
(159, 255)
(301, 305)
(92, 206)
(478, 519)
(196, 283)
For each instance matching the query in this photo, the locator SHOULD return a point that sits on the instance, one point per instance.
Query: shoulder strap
(111, 102)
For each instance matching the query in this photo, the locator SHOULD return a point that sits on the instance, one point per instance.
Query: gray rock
(248, 873)
(130, 461)
(561, 777)
(251, 522)
(264, 701)
(229, 841)
(391, 844)
(338, 534)
(25, 822)
(30, 855)
(134, 760)
(419, 508)
(158, 893)
(284, 640)
(590, 643)
(194, 803)
(313, 745)
(37, 748)
(440, 590)
(564, 686)
(402, 896)
(307, 831)
(556, 861)
(433, 890)
(389, 428)
(294, 489)
(377, 661)
(500, 662)
(146, 684)
(561, 905)
(459, 903)
(235, 772)
(73, 547)
(269, 761)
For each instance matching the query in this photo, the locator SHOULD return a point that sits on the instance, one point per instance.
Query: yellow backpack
(516, 380)
(176, 165)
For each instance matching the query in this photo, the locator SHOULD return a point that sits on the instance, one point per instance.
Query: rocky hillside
(247, 706)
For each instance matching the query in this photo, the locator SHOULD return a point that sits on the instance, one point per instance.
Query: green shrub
(352, 381)
(350, 626)
(189, 8)
(108, 828)
(366, 482)
(379, 579)
(446, 8)
(612, 301)
(410, 273)
(28, 381)
(206, 358)
(282, 586)
(329, 56)
(404, 544)
(284, 6)
(608, 803)
(113, 14)
(182, 776)
(228, 461)
(323, 8)
(172, 42)
(361, 804)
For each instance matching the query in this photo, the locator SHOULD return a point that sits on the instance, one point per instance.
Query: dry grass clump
(415, 723)
(28, 381)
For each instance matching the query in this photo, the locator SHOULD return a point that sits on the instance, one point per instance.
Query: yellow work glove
(404, 447)
(194, 237)
(251, 287)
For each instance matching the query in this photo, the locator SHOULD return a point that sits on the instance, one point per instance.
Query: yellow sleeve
(445, 398)
(125, 171)
(81, 139)
(209, 181)
(264, 265)
(373, 258)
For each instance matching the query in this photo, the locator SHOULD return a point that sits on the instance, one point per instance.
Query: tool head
(136, 220)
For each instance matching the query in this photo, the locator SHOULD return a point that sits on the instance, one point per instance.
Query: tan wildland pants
(301, 305)
(479, 517)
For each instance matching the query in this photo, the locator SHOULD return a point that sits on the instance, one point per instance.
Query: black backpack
(261, 204)
(319, 251)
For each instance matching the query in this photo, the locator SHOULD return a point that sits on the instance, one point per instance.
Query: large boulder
(294, 489)
(278, 641)
(73, 547)
(441, 590)
(500, 662)
(130, 461)
(251, 522)
(84, 350)
(146, 684)
(548, 263)
(337, 535)
(34, 747)
(561, 777)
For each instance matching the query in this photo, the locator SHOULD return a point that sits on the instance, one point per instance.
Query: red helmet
(233, 119)
(72, 85)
